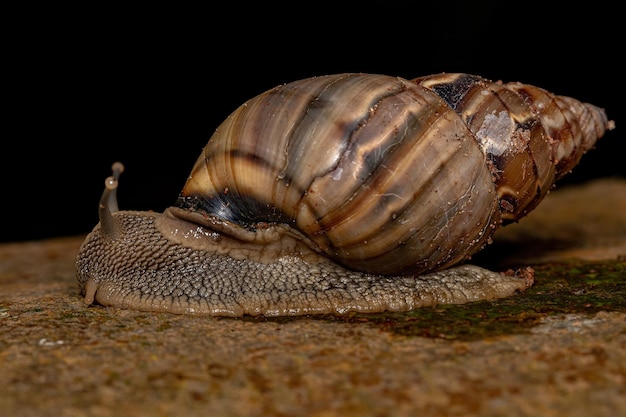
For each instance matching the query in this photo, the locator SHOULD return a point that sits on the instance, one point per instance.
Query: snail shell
(347, 192)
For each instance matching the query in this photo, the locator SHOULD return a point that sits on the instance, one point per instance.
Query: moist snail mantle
(347, 192)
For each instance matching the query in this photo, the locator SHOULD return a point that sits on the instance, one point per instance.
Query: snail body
(347, 192)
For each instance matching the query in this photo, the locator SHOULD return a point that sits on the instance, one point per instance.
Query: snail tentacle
(108, 204)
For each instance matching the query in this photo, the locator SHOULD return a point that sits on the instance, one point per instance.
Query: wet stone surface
(557, 349)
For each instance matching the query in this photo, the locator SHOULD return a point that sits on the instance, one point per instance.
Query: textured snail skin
(348, 192)
(153, 273)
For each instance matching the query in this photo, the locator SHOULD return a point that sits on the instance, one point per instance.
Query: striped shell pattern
(387, 175)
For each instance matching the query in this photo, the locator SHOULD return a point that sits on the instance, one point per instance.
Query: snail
(343, 193)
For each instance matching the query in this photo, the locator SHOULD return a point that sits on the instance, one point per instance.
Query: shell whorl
(387, 175)
(530, 137)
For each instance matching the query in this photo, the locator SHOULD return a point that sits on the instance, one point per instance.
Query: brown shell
(387, 175)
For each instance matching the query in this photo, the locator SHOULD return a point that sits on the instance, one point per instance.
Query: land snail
(341, 193)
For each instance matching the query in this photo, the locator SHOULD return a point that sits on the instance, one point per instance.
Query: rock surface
(59, 357)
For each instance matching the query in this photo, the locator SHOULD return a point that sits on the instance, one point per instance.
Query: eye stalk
(109, 225)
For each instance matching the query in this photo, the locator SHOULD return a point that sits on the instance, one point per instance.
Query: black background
(148, 86)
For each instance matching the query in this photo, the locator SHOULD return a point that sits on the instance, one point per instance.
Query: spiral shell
(387, 175)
